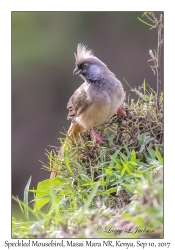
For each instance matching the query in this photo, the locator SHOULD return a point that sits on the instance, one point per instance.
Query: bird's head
(87, 65)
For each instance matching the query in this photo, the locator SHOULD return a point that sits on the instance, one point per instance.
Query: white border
(5, 93)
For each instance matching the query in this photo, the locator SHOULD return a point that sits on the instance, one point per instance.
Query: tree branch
(157, 57)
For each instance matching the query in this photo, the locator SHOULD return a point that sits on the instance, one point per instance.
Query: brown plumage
(97, 99)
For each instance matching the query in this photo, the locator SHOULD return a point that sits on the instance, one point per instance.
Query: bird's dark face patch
(89, 71)
(83, 68)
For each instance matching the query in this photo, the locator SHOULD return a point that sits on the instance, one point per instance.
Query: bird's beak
(76, 71)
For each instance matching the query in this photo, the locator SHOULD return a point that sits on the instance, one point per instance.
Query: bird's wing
(78, 102)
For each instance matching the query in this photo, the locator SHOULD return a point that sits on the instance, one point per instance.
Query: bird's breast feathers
(102, 105)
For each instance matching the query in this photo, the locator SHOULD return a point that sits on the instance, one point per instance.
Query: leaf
(111, 138)
(126, 148)
(141, 138)
(123, 157)
(159, 156)
(86, 178)
(20, 205)
(127, 168)
(148, 139)
(123, 172)
(108, 171)
(129, 192)
(142, 148)
(45, 189)
(80, 168)
(50, 158)
(133, 156)
(137, 175)
(152, 26)
(141, 95)
(91, 196)
(25, 206)
(144, 140)
(66, 161)
(113, 158)
(144, 86)
(151, 152)
(132, 165)
(63, 202)
(125, 178)
(26, 192)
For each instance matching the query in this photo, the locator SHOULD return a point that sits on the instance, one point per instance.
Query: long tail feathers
(74, 131)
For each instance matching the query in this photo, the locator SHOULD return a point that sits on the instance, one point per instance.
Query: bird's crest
(83, 53)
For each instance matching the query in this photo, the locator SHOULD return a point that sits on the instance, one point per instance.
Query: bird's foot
(120, 111)
(97, 137)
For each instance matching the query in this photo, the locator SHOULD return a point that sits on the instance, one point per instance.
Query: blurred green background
(43, 44)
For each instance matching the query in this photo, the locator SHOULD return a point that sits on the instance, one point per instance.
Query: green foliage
(96, 184)
(26, 212)
(65, 202)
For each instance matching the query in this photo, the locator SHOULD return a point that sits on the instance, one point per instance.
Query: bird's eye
(85, 65)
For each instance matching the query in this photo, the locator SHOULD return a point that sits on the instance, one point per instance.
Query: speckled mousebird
(98, 98)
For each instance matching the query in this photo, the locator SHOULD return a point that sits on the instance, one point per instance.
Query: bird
(97, 99)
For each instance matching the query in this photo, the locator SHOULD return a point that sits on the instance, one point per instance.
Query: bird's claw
(97, 137)
(120, 111)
